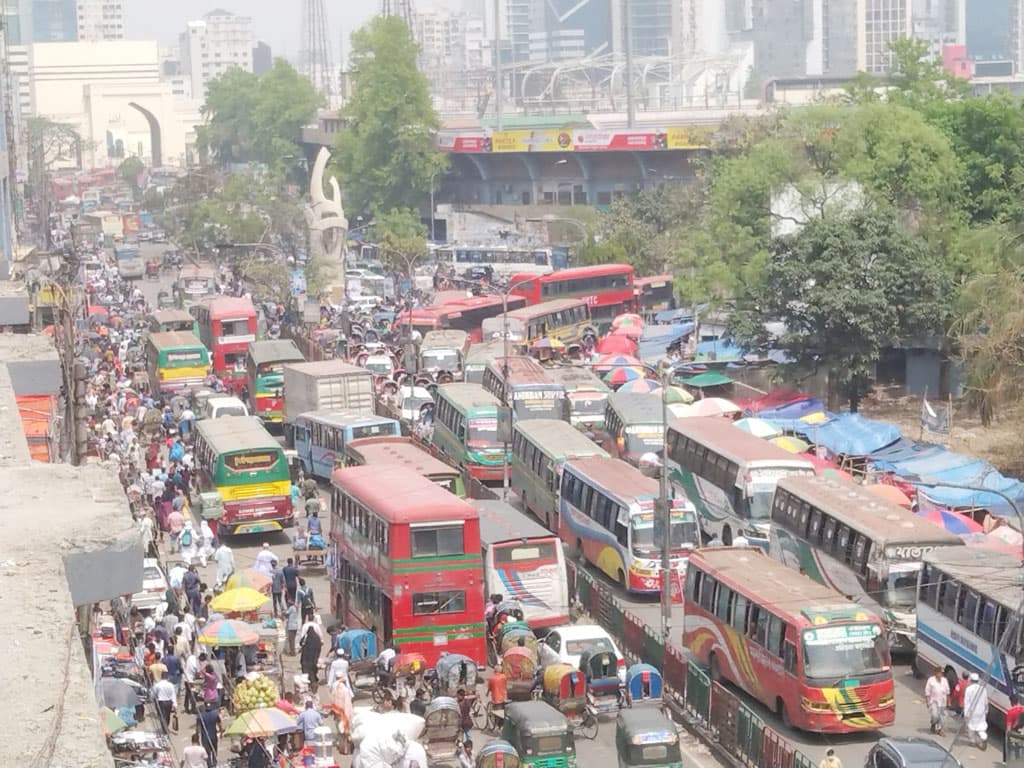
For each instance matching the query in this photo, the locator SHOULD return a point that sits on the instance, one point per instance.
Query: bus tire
(782, 712)
(727, 536)
(713, 670)
(621, 578)
(915, 667)
(578, 552)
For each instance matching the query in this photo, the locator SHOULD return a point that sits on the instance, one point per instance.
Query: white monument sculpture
(325, 217)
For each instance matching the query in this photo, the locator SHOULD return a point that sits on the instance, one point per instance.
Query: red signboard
(591, 141)
(463, 142)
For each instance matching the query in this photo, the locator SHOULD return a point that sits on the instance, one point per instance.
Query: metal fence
(716, 714)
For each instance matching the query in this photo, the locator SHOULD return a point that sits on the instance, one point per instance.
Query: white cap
(266, 545)
(974, 677)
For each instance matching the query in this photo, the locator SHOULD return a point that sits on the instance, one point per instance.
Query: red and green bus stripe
(423, 634)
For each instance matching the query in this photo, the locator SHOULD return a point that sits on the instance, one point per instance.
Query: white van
(225, 405)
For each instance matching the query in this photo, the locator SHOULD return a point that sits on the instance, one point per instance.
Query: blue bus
(320, 437)
(130, 265)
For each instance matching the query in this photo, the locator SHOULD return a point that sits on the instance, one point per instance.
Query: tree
(386, 154)
(129, 171)
(257, 119)
(401, 238)
(843, 287)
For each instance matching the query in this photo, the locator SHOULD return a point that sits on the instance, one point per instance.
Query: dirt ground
(1000, 444)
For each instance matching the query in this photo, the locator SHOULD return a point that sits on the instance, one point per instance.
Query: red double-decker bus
(405, 561)
(469, 314)
(607, 288)
(227, 326)
(800, 648)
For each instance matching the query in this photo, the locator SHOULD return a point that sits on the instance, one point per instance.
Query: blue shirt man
(309, 721)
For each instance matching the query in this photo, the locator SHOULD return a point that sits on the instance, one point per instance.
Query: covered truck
(328, 385)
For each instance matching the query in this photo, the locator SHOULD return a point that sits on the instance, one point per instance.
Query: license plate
(258, 527)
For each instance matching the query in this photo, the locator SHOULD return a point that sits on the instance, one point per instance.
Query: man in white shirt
(164, 695)
(976, 712)
(193, 756)
(936, 696)
(188, 674)
(385, 658)
(338, 670)
(265, 561)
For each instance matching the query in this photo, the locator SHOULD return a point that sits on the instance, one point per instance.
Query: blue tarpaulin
(850, 434)
(997, 505)
(667, 316)
(903, 450)
(656, 340)
(718, 349)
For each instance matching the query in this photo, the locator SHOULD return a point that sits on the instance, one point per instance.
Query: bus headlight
(815, 706)
(887, 700)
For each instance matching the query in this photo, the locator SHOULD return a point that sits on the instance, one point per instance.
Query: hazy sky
(275, 21)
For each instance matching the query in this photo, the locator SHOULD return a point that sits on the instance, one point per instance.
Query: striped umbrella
(250, 578)
(265, 721)
(641, 386)
(610, 362)
(758, 427)
(790, 443)
(626, 320)
(620, 376)
(240, 600)
(228, 632)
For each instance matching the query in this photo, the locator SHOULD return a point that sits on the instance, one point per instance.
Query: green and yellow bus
(563, 319)
(176, 360)
(465, 431)
(539, 448)
(264, 370)
(237, 458)
(163, 320)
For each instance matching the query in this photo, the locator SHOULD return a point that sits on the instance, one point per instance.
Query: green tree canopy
(257, 119)
(843, 287)
(401, 238)
(386, 154)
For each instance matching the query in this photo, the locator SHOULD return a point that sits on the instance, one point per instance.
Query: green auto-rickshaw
(645, 737)
(540, 734)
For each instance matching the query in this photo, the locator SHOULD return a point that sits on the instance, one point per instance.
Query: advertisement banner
(688, 137)
(547, 140)
(448, 141)
(595, 141)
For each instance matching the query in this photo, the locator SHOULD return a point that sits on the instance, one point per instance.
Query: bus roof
(576, 377)
(403, 451)
(472, 302)
(651, 280)
(174, 340)
(191, 270)
(275, 351)
(988, 572)
(500, 521)
(866, 513)
(521, 370)
(467, 395)
(342, 418)
(326, 367)
(637, 407)
(616, 476)
(444, 339)
(574, 273)
(559, 437)
(732, 442)
(401, 496)
(537, 310)
(486, 349)
(172, 316)
(236, 433)
(229, 306)
(778, 587)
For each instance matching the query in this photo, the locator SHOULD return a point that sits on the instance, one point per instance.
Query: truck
(327, 385)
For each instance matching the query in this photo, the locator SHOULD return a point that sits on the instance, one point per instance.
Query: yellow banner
(689, 137)
(548, 140)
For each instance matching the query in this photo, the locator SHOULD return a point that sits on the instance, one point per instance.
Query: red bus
(227, 326)
(469, 314)
(607, 288)
(406, 562)
(800, 648)
(422, 319)
(654, 294)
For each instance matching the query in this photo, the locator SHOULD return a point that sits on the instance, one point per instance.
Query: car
(154, 586)
(565, 645)
(910, 752)
(215, 407)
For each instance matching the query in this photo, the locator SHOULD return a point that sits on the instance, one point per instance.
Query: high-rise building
(262, 58)
(880, 23)
(100, 20)
(654, 27)
(54, 21)
(18, 21)
(213, 45)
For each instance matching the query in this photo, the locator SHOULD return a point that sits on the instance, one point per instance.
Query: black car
(910, 753)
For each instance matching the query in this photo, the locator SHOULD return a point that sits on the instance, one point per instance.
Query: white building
(100, 20)
(214, 44)
(880, 23)
(93, 86)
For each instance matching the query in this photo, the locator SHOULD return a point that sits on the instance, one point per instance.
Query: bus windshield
(843, 652)
(646, 536)
(644, 438)
(441, 359)
(482, 433)
(588, 403)
(901, 586)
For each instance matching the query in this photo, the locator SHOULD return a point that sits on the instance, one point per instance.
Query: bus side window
(844, 540)
(739, 614)
(968, 608)
(814, 531)
(722, 606)
(753, 613)
(930, 586)
(860, 552)
(947, 597)
(622, 526)
(987, 622)
(789, 657)
(775, 635)
(707, 595)
(829, 535)
(693, 580)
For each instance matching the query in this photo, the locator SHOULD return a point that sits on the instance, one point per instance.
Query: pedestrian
(291, 626)
(830, 760)
(190, 583)
(194, 756)
(174, 670)
(265, 560)
(175, 525)
(465, 713)
(308, 722)
(208, 724)
(936, 697)
(311, 644)
(976, 712)
(189, 543)
(291, 578)
(304, 597)
(189, 675)
(164, 696)
(157, 669)
(277, 588)
(957, 694)
(338, 670)
(225, 560)
(465, 754)
(211, 685)
(206, 545)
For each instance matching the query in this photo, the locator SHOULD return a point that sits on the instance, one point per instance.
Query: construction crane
(400, 8)
(315, 53)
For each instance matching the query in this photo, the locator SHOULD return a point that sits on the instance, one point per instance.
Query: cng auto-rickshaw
(540, 734)
(645, 738)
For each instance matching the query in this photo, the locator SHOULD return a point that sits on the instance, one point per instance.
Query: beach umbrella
(250, 578)
(265, 721)
(112, 723)
(620, 376)
(759, 427)
(610, 362)
(626, 320)
(826, 468)
(228, 632)
(548, 343)
(678, 396)
(629, 331)
(616, 345)
(641, 386)
(952, 521)
(790, 443)
(890, 493)
(240, 600)
(714, 406)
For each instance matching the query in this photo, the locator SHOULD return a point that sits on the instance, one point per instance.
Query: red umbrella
(616, 345)
(629, 331)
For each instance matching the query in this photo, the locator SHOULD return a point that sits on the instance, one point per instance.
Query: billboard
(688, 137)
(603, 141)
(548, 140)
(582, 140)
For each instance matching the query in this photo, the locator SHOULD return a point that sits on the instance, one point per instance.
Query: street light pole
(432, 177)
(498, 75)
(504, 375)
(666, 513)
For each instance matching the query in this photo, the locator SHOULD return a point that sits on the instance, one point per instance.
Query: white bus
(845, 537)
(729, 475)
(524, 562)
(970, 606)
(504, 260)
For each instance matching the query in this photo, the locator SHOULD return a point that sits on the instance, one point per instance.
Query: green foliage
(129, 171)
(386, 155)
(843, 287)
(266, 276)
(257, 119)
(401, 237)
(918, 77)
